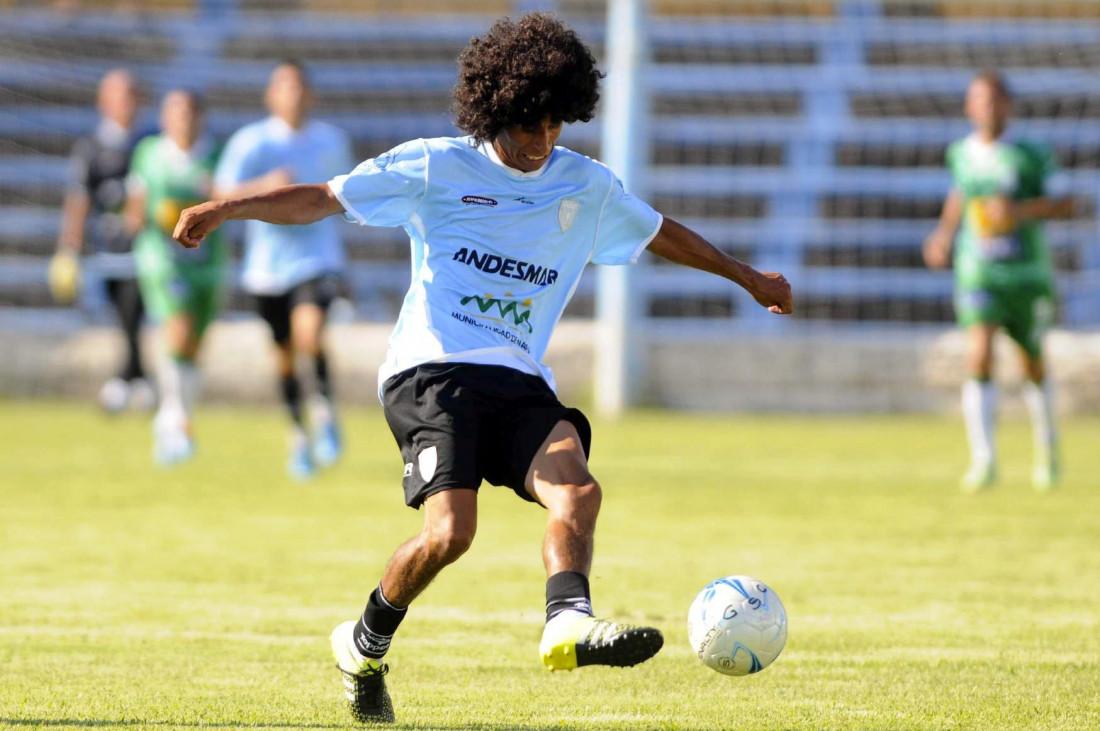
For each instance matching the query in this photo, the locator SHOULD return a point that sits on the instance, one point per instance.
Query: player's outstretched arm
(937, 247)
(291, 205)
(681, 245)
(1044, 208)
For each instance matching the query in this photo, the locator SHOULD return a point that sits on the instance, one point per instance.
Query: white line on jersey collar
(487, 149)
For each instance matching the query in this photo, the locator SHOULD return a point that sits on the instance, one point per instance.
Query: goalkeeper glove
(65, 276)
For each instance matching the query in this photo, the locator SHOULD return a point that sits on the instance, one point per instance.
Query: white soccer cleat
(143, 397)
(114, 395)
(1045, 473)
(979, 477)
(172, 446)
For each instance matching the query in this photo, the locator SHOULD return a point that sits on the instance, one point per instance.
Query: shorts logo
(427, 460)
(408, 469)
(478, 200)
(567, 213)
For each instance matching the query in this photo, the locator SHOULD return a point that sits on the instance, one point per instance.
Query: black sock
(127, 301)
(324, 385)
(567, 590)
(292, 397)
(376, 627)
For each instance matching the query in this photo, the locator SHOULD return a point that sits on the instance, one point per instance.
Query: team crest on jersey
(427, 460)
(567, 213)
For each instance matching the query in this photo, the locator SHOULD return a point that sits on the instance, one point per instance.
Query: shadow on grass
(95, 723)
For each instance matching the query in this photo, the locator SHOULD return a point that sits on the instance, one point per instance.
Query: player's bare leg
(450, 521)
(307, 324)
(1038, 391)
(179, 385)
(559, 479)
(979, 401)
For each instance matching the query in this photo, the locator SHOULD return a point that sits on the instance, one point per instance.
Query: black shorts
(276, 309)
(459, 423)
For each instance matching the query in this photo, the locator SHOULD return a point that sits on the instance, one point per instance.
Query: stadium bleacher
(804, 136)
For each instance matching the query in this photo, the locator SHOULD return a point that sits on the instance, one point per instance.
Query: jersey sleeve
(1041, 164)
(346, 159)
(385, 190)
(627, 225)
(80, 167)
(951, 159)
(136, 179)
(237, 163)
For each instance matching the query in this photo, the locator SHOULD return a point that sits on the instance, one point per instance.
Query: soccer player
(1004, 278)
(293, 271)
(502, 224)
(181, 288)
(93, 212)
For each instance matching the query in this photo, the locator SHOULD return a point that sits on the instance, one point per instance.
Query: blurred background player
(181, 289)
(1004, 277)
(93, 212)
(293, 271)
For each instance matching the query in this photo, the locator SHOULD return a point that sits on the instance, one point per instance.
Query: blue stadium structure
(810, 143)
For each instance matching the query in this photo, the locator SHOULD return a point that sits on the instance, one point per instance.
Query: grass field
(203, 597)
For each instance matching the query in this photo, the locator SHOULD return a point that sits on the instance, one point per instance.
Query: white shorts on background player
(277, 258)
(496, 253)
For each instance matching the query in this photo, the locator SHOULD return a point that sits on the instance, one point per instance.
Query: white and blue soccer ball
(737, 625)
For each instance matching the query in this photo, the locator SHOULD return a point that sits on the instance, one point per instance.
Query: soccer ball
(737, 625)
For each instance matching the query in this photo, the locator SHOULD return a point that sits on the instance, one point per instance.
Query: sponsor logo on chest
(508, 268)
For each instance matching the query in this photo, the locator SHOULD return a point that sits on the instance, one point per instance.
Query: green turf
(202, 597)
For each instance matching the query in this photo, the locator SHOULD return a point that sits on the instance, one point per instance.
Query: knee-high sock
(292, 398)
(179, 387)
(322, 409)
(1039, 398)
(324, 383)
(979, 402)
(126, 298)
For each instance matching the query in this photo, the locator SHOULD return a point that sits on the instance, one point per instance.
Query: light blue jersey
(496, 253)
(277, 258)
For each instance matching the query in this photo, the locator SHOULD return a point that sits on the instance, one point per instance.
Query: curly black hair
(521, 72)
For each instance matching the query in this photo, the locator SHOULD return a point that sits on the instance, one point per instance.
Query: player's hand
(937, 250)
(772, 290)
(64, 276)
(198, 221)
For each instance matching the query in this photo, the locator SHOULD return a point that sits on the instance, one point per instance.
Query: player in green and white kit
(1004, 278)
(181, 289)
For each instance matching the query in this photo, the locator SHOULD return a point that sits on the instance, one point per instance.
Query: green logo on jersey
(508, 309)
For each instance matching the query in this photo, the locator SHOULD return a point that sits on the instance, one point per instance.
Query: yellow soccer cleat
(64, 277)
(572, 641)
(368, 701)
